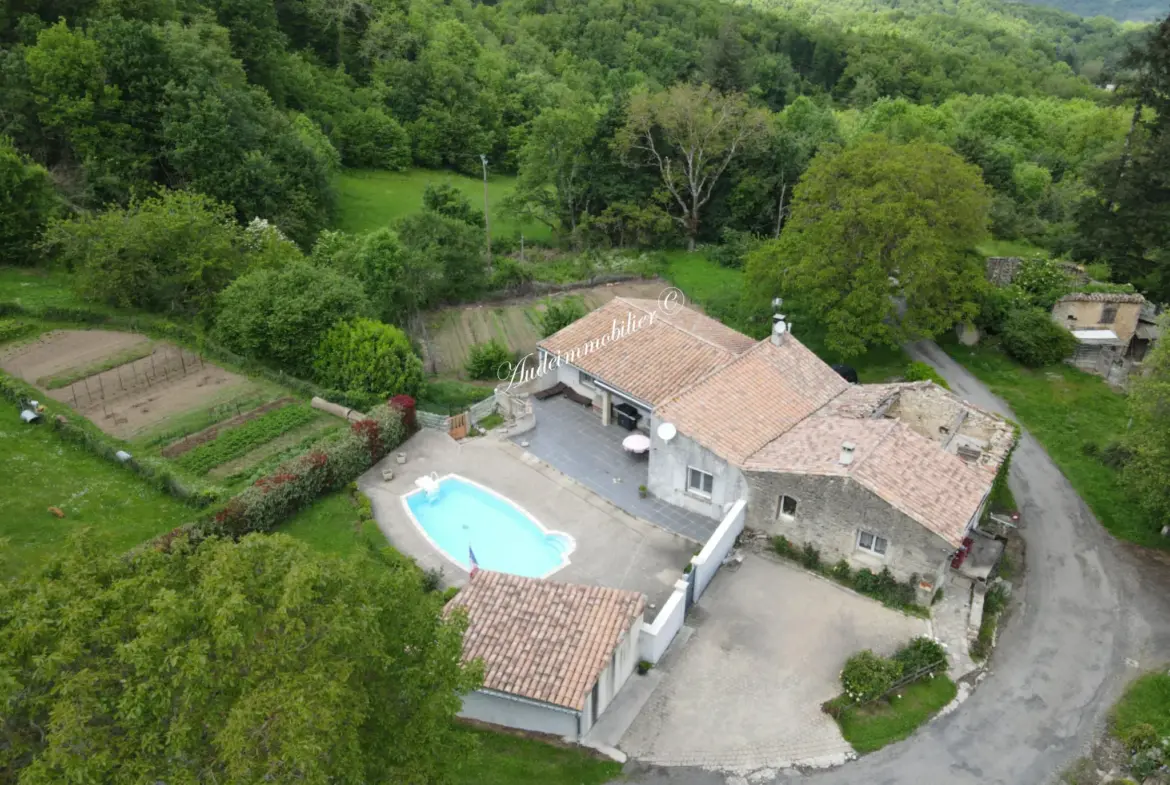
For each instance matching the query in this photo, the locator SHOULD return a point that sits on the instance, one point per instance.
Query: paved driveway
(744, 693)
(1089, 615)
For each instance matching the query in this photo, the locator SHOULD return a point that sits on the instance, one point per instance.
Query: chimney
(847, 453)
(779, 329)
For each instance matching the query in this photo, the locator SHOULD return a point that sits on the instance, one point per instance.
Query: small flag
(474, 563)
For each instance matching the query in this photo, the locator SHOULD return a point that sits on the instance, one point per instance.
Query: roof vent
(847, 453)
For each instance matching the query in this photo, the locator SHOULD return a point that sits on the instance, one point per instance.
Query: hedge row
(82, 432)
(299, 482)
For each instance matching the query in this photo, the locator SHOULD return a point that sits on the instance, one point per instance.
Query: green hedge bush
(922, 654)
(484, 361)
(867, 676)
(1031, 337)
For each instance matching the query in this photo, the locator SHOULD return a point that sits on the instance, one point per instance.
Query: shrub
(842, 572)
(280, 316)
(432, 579)
(1091, 449)
(784, 547)
(921, 372)
(446, 199)
(735, 248)
(560, 313)
(1098, 271)
(1140, 737)
(922, 654)
(1116, 455)
(1034, 339)
(369, 357)
(1042, 280)
(867, 676)
(27, 201)
(644, 666)
(508, 273)
(485, 360)
(997, 304)
(810, 557)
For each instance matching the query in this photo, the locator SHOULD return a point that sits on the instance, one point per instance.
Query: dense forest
(252, 107)
(1123, 10)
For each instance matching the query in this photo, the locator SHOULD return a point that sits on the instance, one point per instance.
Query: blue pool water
(463, 515)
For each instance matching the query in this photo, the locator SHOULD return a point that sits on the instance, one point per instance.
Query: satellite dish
(666, 431)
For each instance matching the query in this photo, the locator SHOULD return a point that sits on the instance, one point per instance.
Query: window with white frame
(786, 508)
(699, 482)
(587, 380)
(867, 541)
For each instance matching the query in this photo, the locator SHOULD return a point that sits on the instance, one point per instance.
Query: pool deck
(613, 548)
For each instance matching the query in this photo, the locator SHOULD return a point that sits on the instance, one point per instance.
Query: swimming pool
(463, 516)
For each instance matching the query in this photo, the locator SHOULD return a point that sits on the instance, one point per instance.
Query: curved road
(1089, 613)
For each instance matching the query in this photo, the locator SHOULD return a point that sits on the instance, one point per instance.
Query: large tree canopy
(1149, 438)
(879, 248)
(251, 662)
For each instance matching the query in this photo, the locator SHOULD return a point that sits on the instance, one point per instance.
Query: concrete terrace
(571, 438)
(613, 548)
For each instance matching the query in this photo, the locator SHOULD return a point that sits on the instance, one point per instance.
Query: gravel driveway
(745, 691)
(1090, 614)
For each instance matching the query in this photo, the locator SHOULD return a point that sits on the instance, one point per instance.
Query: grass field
(37, 288)
(1065, 409)
(329, 525)
(1020, 248)
(1146, 701)
(509, 760)
(371, 199)
(703, 281)
(871, 727)
(42, 471)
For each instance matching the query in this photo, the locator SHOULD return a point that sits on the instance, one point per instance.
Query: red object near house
(961, 554)
(407, 405)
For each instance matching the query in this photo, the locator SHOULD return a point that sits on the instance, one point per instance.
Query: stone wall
(1002, 269)
(831, 511)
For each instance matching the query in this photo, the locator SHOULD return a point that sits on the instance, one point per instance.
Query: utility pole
(487, 224)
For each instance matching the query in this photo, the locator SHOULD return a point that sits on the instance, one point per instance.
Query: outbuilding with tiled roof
(554, 654)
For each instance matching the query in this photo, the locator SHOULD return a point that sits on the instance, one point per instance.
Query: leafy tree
(445, 199)
(879, 246)
(552, 186)
(1126, 223)
(249, 662)
(484, 360)
(1149, 438)
(689, 135)
(1031, 336)
(559, 314)
(372, 139)
(369, 358)
(172, 252)
(453, 245)
(27, 202)
(398, 283)
(281, 315)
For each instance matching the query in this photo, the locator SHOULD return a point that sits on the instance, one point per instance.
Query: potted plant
(643, 492)
(644, 666)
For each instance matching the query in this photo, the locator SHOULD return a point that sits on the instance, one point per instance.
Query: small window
(871, 542)
(587, 380)
(1108, 314)
(786, 508)
(699, 482)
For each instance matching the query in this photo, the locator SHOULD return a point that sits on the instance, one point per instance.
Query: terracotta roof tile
(540, 639)
(651, 362)
(1102, 297)
(750, 402)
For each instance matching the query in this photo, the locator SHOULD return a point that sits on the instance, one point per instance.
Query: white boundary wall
(654, 638)
(707, 563)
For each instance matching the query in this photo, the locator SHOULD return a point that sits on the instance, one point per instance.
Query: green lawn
(1020, 248)
(444, 396)
(1146, 701)
(370, 199)
(872, 727)
(38, 288)
(510, 760)
(329, 525)
(1064, 409)
(704, 282)
(42, 471)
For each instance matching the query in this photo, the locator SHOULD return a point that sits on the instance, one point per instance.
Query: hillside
(1123, 10)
